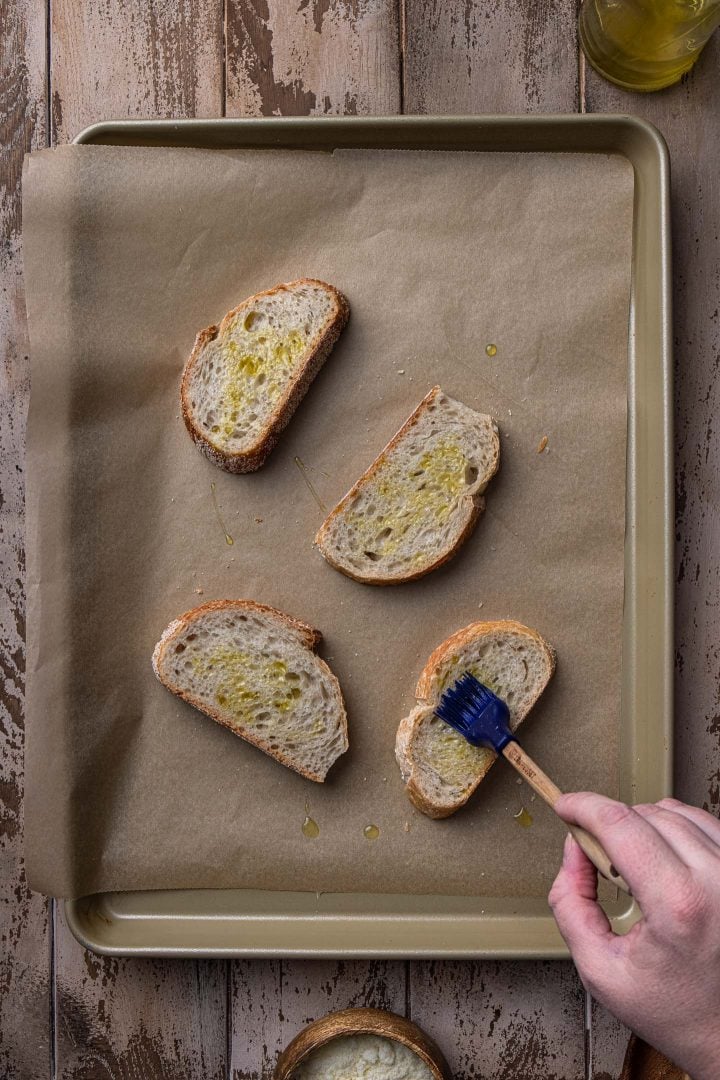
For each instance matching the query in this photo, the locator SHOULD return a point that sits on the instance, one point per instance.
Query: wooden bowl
(361, 1022)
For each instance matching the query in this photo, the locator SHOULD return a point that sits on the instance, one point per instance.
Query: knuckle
(572, 802)
(688, 905)
(612, 814)
(557, 893)
(647, 810)
(560, 900)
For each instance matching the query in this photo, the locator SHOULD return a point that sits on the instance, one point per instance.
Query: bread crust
(250, 460)
(424, 688)
(310, 638)
(427, 696)
(475, 504)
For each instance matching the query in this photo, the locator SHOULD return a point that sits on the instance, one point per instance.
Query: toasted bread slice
(419, 500)
(253, 669)
(246, 377)
(440, 768)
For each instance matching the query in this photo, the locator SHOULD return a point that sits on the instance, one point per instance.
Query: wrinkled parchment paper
(128, 253)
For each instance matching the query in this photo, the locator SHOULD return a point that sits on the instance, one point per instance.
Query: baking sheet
(128, 253)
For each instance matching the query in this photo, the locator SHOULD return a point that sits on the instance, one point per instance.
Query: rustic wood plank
(321, 57)
(686, 116)
(271, 1002)
(509, 57)
(25, 1035)
(313, 56)
(129, 58)
(257, 1018)
(515, 1021)
(609, 1042)
(133, 1018)
(312, 988)
(510, 1020)
(137, 1019)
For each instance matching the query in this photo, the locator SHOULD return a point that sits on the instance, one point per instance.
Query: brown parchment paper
(128, 253)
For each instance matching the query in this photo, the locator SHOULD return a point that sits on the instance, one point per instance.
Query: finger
(644, 858)
(573, 899)
(706, 822)
(689, 843)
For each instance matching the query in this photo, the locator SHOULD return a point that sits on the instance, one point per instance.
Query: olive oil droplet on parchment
(228, 538)
(310, 827)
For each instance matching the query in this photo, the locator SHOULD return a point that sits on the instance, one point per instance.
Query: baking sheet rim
(647, 693)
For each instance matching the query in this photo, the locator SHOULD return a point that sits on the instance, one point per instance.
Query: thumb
(573, 899)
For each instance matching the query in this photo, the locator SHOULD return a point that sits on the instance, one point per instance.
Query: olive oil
(228, 538)
(309, 484)
(645, 44)
(262, 693)
(257, 365)
(371, 832)
(410, 498)
(523, 818)
(310, 828)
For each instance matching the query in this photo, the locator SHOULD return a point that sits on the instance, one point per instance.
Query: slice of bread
(254, 669)
(419, 500)
(440, 768)
(246, 377)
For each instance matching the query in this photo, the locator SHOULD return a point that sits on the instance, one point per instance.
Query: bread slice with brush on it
(254, 670)
(419, 500)
(441, 769)
(246, 377)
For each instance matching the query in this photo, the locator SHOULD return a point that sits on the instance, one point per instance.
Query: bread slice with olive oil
(254, 670)
(246, 377)
(419, 500)
(440, 768)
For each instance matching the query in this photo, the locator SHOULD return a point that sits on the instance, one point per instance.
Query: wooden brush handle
(550, 792)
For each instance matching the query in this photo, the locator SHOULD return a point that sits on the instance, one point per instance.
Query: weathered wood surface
(508, 1019)
(302, 59)
(112, 59)
(25, 943)
(516, 56)
(130, 1018)
(686, 115)
(608, 1043)
(272, 1001)
(137, 1019)
(322, 57)
(518, 1021)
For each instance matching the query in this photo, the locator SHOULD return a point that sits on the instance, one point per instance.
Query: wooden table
(67, 1013)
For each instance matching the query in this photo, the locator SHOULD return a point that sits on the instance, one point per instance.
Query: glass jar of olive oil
(645, 44)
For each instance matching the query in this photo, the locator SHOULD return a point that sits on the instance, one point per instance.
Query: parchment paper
(129, 252)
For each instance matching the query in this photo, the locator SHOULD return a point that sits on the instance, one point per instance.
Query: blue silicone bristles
(476, 713)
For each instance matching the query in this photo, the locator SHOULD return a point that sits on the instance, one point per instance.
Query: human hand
(662, 979)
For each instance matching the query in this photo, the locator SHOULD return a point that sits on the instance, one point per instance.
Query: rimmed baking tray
(250, 923)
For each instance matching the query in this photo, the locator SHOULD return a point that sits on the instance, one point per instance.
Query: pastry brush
(483, 719)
